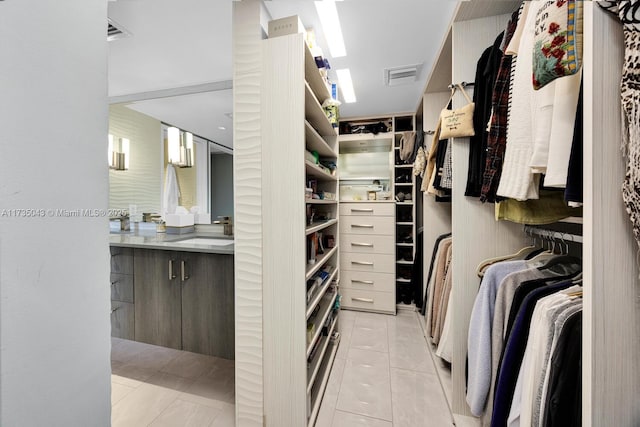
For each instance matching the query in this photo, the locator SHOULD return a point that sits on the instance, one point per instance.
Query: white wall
(54, 289)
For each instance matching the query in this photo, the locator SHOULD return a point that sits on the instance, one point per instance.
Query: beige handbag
(457, 123)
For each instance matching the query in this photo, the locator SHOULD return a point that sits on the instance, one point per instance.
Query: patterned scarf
(629, 14)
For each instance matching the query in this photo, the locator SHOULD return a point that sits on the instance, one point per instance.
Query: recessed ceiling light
(222, 128)
(328, 14)
(346, 85)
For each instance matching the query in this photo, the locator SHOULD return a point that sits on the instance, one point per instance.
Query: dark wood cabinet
(122, 302)
(207, 305)
(157, 288)
(185, 300)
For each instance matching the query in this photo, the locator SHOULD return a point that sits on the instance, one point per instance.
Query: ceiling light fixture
(346, 85)
(328, 14)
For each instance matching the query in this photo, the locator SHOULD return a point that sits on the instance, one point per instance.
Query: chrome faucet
(124, 222)
(227, 223)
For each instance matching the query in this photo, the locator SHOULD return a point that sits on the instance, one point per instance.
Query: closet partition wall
(476, 234)
(611, 335)
(611, 323)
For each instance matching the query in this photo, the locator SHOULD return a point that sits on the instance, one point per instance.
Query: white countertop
(164, 241)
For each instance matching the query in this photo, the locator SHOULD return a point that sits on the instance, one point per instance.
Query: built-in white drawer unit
(374, 263)
(367, 281)
(367, 244)
(368, 300)
(367, 225)
(367, 209)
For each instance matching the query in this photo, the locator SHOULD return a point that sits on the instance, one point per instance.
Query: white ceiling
(179, 43)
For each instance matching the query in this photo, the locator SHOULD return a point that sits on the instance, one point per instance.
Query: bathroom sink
(205, 241)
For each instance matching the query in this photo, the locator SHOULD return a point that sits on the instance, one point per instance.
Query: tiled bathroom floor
(383, 376)
(157, 386)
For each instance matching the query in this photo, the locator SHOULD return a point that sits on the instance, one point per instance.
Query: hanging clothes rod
(463, 84)
(552, 234)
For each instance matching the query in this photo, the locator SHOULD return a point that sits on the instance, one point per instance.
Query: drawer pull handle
(364, 282)
(183, 271)
(113, 310)
(171, 275)
(361, 210)
(361, 263)
(361, 226)
(369, 300)
(367, 245)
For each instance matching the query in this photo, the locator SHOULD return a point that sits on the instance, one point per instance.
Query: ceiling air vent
(115, 30)
(401, 75)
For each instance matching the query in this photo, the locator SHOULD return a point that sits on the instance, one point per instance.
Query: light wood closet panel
(476, 234)
(611, 322)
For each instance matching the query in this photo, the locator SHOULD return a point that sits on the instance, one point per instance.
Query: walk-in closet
(582, 248)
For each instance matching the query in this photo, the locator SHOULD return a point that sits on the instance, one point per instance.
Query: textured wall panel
(248, 212)
(141, 185)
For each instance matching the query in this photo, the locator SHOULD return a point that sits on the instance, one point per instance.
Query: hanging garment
(564, 397)
(517, 180)
(431, 159)
(541, 402)
(573, 190)
(497, 139)
(407, 147)
(440, 159)
(434, 255)
(514, 352)
(486, 73)
(439, 290)
(546, 311)
(550, 207)
(171, 194)
(504, 299)
(479, 338)
(447, 169)
(444, 299)
(445, 347)
(628, 11)
(435, 278)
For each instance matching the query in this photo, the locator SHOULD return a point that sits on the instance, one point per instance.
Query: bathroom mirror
(207, 184)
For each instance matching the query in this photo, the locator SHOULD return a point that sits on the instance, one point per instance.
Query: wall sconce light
(119, 153)
(180, 147)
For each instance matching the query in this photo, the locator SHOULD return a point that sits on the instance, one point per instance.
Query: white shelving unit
(297, 293)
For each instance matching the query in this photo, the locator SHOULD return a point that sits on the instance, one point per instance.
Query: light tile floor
(156, 386)
(383, 376)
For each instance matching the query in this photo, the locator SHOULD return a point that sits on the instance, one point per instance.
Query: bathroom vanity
(175, 291)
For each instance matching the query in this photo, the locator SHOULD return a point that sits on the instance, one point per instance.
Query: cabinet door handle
(183, 271)
(114, 282)
(364, 282)
(361, 210)
(113, 310)
(369, 300)
(171, 275)
(368, 245)
(361, 263)
(361, 226)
